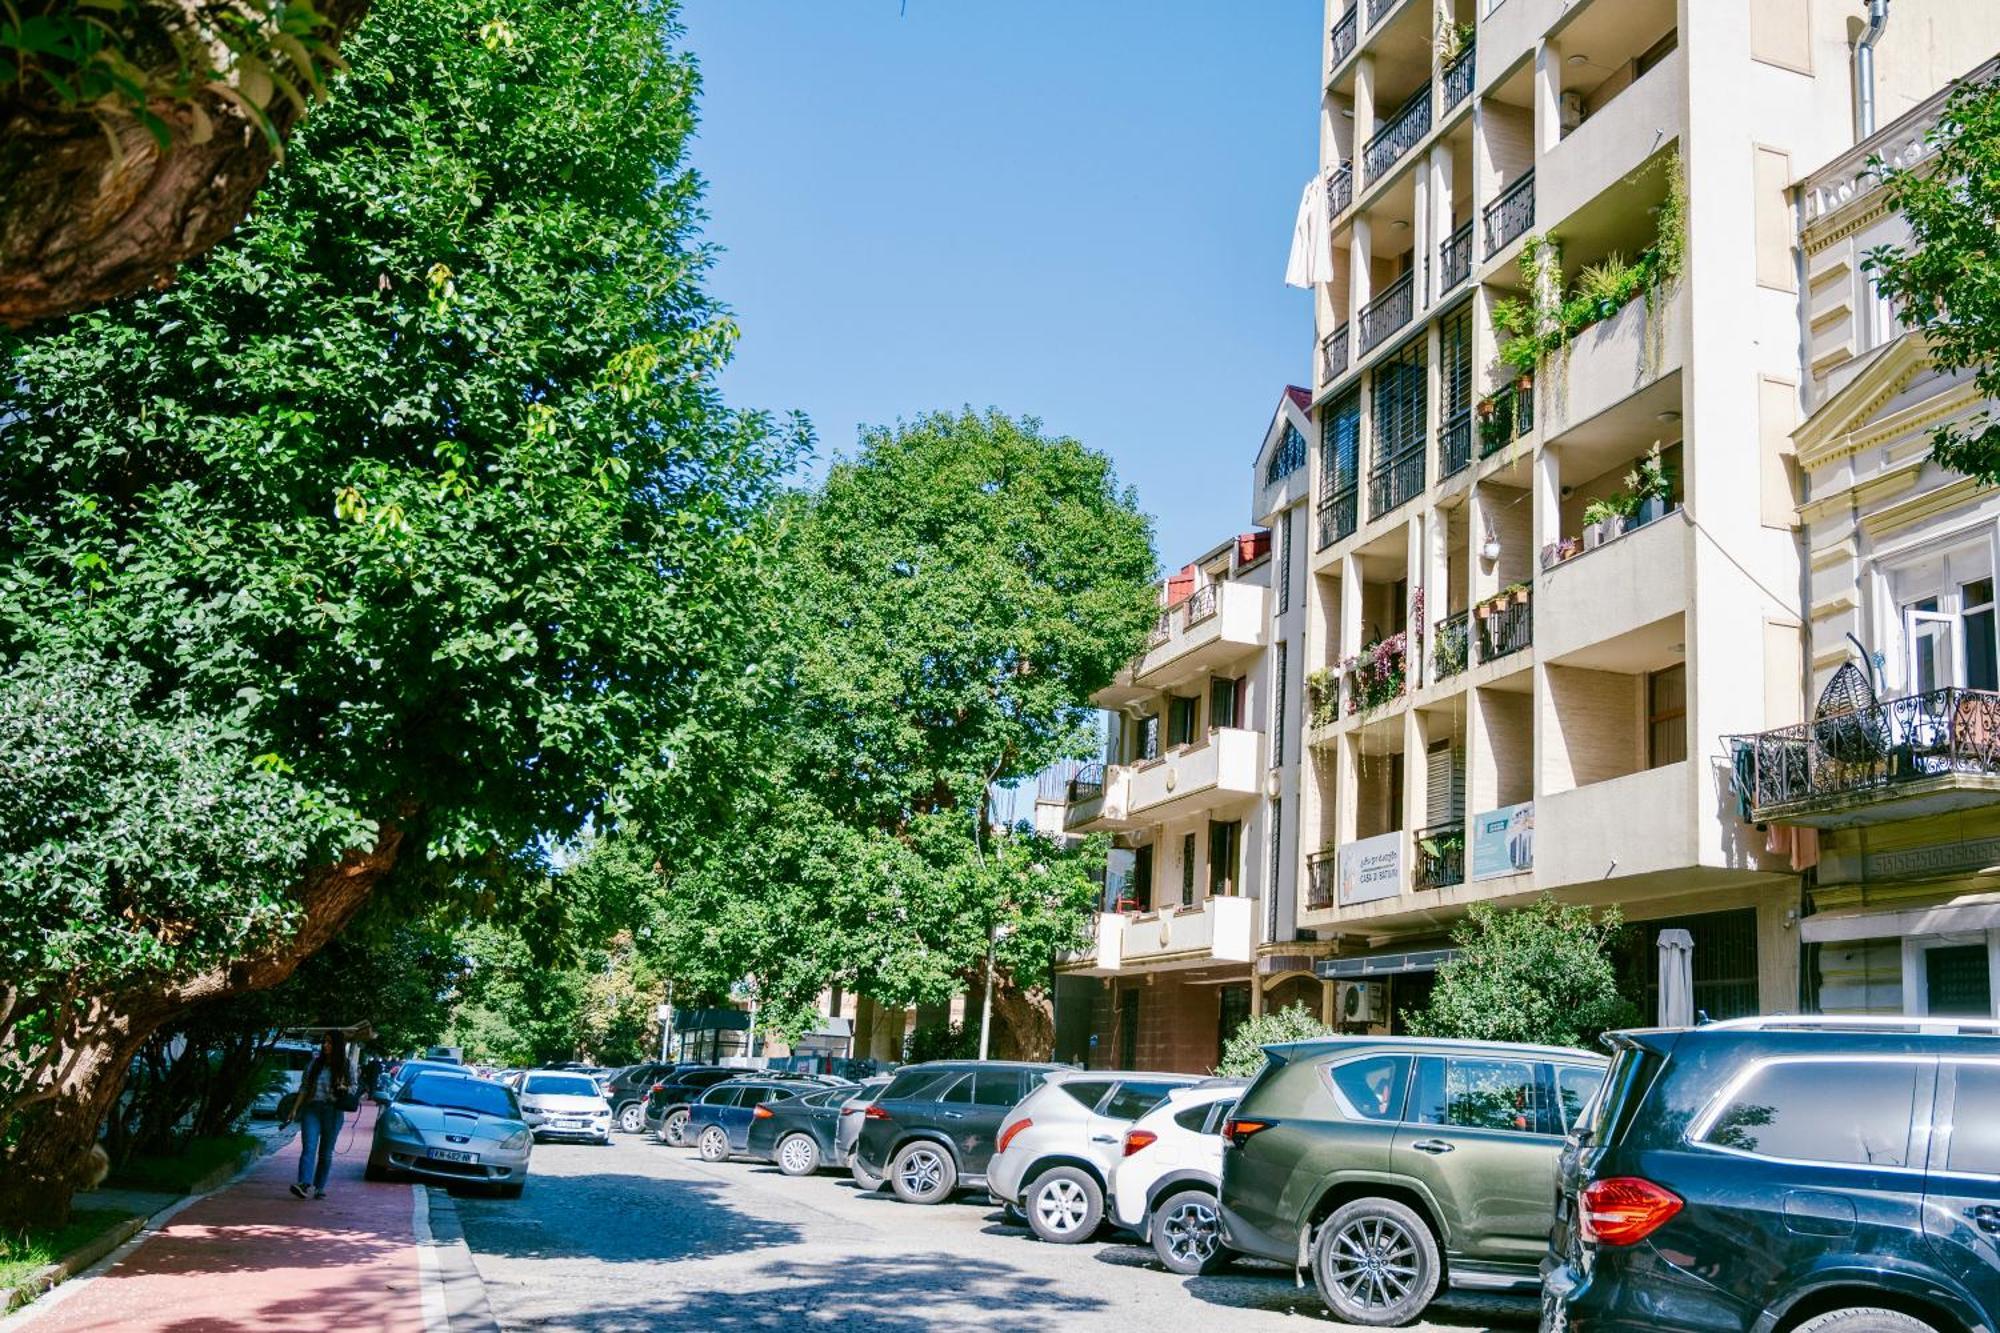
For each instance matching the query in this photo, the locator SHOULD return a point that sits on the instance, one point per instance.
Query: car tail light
(1623, 1210)
(1238, 1132)
(762, 1113)
(655, 1088)
(1136, 1139)
(876, 1113)
(1007, 1134)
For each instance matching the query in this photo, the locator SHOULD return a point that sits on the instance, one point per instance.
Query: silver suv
(1056, 1150)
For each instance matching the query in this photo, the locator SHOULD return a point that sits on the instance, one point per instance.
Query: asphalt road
(642, 1236)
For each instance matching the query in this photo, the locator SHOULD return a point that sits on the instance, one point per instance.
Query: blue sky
(1078, 209)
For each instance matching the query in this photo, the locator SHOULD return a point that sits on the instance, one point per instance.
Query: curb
(466, 1309)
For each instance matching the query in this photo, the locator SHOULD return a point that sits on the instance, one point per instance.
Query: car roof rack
(1938, 1024)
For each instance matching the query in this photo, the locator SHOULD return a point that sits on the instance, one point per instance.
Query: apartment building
(1557, 553)
(1895, 772)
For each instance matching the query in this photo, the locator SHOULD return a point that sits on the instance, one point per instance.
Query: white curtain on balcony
(1676, 979)
(1312, 239)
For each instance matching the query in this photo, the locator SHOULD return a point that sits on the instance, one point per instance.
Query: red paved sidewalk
(252, 1257)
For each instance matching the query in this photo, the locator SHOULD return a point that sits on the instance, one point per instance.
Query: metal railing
(1163, 629)
(1287, 458)
(1451, 645)
(1377, 9)
(1339, 515)
(1333, 355)
(1512, 417)
(1456, 83)
(1455, 258)
(1344, 33)
(1388, 312)
(1510, 214)
(1339, 189)
(1871, 749)
(1440, 860)
(1322, 872)
(1202, 603)
(1507, 629)
(1395, 481)
(1087, 785)
(1455, 443)
(1398, 136)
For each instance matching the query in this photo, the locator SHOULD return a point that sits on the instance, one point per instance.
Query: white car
(1055, 1151)
(288, 1066)
(1170, 1175)
(559, 1104)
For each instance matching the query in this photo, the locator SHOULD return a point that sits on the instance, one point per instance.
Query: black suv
(931, 1131)
(1785, 1173)
(626, 1090)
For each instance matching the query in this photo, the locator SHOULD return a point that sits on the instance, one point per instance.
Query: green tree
(384, 545)
(1541, 973)
(1243, 1053)
(1946, 282)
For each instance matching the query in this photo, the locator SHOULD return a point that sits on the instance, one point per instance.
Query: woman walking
(326, 1092)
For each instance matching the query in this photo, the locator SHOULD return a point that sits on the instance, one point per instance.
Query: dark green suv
(1390, 1165)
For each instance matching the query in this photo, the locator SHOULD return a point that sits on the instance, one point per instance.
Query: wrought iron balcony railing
(1388, 312)
(1868, 751)
(1507, 629)
(1322, 871)
(1378, 9)
(1455, 443)
(1440, 861)
(1333, 355)
(1395, 481)
(1339, 189)
(1087, 785)
(1344, 33)
(1457, 79)
(1287, 458)
(1513, 416)
(1338, 515)
(1202, 603)
(1455, 258)
(1163, 629)
(1451, 645)
(1398, 135)
(1511, 214)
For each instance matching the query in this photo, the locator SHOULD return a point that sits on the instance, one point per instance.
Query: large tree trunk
(1024, 1026)
(38, 1174)
(93, 208)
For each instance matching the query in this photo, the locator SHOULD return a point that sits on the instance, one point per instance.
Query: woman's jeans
(319, 1126)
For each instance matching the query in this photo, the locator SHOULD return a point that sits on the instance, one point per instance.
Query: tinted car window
(1782, 1111)
(719, 1096)
(1218, 1113)
(999, 1087)
(755, 1096)
(1134, 1099)
(708, 1078)
(460, 1093)
(959, 1093)
(917, 1084)
(1575, 1086)
(1086, 1092)
(1374, 1087)
(1975, 1130)
(1472, 1092)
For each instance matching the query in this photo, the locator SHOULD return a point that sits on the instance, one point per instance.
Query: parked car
(626, 1090)
(560, 1105)
(1391, 1165)
(448, 1055)
(720, 1119)
(453, 1127)
(1057, 1148)
(668, 1101)
(800, 1134)
(288, 1065)
(1786, 1173)
(931, 1132)
(853, 1113)
(1165, 1185)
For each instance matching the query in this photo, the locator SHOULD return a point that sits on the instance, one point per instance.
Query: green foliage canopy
(1541, 974)
(1243, 1053)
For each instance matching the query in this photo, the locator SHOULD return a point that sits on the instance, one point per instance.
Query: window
(1194, 1119)
(1142, 879)
(1975, 1116)
(999, 1087)
(1666, 716)
(1276, 832)
(1455, 365)
(1225, 697)
(560, 1085)
(1575, 1086)
(1372, 1088)
(1134, 1099)
(1187, 870)
(1182, 715)
(719, 1096)
(1781, 1111)
(1472, 1093)
(1286, 535)
(1946, 618)
(1218, 1114)
(1655, 53)
(959, 1093)
(1149, 737)
(755, 1096)
(1401, 382)
(1957, 982)
(1225, 848)
(917, 1085)
(1340, 443)
(1278, 670)
(1232, 1012)
(1287, 458)
(1086, 1093)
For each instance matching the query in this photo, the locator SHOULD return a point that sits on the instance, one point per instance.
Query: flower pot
(1593, 535)
(1524, 382)
(1521, 597)
(1651, 509)
(1486, 409)
(1483, 610)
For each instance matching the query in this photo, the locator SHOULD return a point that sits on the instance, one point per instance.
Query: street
(642, 1236)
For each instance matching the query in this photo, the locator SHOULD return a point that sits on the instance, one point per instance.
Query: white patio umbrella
(1676, 979)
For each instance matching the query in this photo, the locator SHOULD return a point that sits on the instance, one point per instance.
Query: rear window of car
(1134, 1098)
(708, 1078)
(719, 1095)
(1000, 1087)
(1478, 1092)
(459, 1093)
(1086, 1092)
(560, 1085)
(1782, 1110)
(1576, 1085)
(916, 1085)
(1975, 1130)
(1373, 1087)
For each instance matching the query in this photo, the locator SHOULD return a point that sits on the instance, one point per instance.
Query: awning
(1914, 921)
(1385, 964)
(711, 1020)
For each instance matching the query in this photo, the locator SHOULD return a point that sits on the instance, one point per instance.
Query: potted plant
(1599, 518)
(1525, 381)
(1517, 593)
(1485, 407)
(1626, 503)
(1649, 487)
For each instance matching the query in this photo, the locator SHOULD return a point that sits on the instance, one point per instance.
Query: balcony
(1586, 834)
(1333, 355)
(1322, 872)
(1386, 313)
(1456, 84)
(1629, 582)
(1506, 625)
(1398, 135)
(1895, 759)
(1455, 444)
(1380, 9)
(1451, 645)
(1339, 515)
(1216, 930)
(1217, 625)
(1455, 258)
(1224, 769)
(1609, 146)
(1614, 359)
(1510, 215)
(1099, 797)
(1505, 417)
(1339, 190)
(1395, 481)
(1440, 857)
(1345, 33)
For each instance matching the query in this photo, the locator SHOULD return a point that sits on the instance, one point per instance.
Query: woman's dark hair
(336, 1057)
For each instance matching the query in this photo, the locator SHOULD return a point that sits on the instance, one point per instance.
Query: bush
(1243, 1053)
(1540, 974)
(942, 1041)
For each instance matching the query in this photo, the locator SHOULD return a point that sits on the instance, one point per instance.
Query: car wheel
(1065, 1205)
(1865, 1319)
(632, 1117)
(673, 1130)
(713, 1144)
(923, 1173)
(1375, 1263)
(1187, 1233)
(798, 1155)
(863, 1177)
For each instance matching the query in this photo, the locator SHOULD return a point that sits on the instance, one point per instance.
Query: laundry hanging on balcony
(1312, 239)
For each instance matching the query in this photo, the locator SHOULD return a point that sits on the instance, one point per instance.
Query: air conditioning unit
(1363, 1002)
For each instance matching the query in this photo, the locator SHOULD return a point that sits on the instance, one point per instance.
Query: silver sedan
(453, 1127)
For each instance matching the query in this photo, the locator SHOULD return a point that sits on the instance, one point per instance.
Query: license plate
(451, 1155)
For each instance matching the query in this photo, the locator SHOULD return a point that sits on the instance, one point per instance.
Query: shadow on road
(619, 1218)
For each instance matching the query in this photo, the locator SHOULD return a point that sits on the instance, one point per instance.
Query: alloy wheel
(674, 1129)
(1062, 1205)
(923, 1172)
(1373, 1263)
(632, 1119)
(714, 1144)
(1191, 1231)
(796, 1155)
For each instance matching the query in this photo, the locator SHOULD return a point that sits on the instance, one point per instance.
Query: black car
(799, 1134)
(667, 1101)
(1779, 1174)
(931, 1131)
(627, 1089)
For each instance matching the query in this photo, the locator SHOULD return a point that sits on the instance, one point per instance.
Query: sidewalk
(252, 1257)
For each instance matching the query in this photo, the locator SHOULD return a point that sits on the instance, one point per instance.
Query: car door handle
(1436, 1147)
(954, 1115)
(1104, 1138)
(1986, 1217)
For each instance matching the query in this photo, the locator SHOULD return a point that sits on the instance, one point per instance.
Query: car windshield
(456, 1092)
(560, 1085)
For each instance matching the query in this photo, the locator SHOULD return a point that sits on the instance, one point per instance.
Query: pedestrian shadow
(584, 1216)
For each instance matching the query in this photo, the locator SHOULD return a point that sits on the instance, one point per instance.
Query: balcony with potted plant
(1615, 558)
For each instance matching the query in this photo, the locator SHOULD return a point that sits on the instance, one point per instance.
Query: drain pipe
(1864, 69)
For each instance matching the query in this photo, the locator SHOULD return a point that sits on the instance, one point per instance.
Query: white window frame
(1894, 595)
(1916, 985)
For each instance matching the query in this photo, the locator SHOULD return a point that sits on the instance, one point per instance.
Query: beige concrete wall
(1590, 724)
